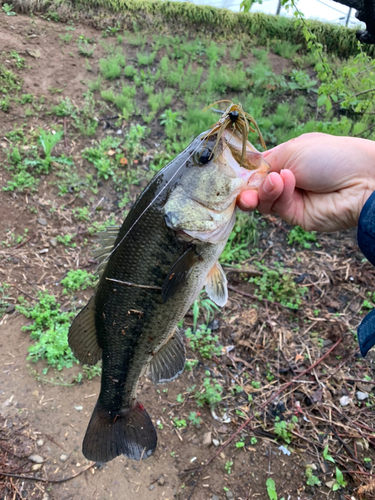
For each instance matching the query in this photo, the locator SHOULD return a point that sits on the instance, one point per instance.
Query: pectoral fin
(82, 336)
(178, 274)
(216, 285)
(168, 362)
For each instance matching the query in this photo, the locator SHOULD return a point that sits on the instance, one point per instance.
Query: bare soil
(270, 343)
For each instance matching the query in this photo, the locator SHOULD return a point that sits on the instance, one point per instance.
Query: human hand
(317, 181)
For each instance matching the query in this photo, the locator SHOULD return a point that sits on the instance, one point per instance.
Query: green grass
(111, 68)
(144, 59)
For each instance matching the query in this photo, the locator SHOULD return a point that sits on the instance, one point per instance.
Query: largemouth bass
(152, 270)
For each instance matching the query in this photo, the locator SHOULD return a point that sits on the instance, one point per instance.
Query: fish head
(202, 204)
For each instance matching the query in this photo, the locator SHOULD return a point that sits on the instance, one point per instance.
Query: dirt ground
(49, 418)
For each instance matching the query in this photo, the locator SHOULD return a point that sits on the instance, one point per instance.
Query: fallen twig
(198, 470)
(43, 480)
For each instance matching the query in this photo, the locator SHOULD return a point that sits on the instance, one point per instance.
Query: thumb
(278, 157)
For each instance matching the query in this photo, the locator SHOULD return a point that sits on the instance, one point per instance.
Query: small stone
(359, 445)
(288, 476)
(152, 487)
(361, 396)
(214, 325)
(53, 242)
(42, 222)
(161, 481)
(214, 497)
(368, 465)
(36, 467)
(37, 459)
(207, 438)
(223, 429)
(78, 408)
(40, 442)
(10, 309)
(229, 495)
(345, 400)
(216, 442)
(63, 457)
(330, 484)
(34, 53)
(327, 342)
(312, 467)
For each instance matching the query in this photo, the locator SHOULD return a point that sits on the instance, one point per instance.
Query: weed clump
(278, 285)
(78, 279)
(204, 342)
(301, 237)
(49, 329)
(111, 68)
(211, 393)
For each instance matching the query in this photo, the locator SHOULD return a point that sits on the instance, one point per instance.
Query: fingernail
(268, 185)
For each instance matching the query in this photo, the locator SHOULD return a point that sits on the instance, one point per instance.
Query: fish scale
(165, 252)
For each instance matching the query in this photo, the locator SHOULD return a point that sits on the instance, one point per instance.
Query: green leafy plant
(190, 364)
(240, 444)
(78, 279)
(283, 429)
(180, 423)
(301, 237)
(244, 234)
(49, 329)
(211, 393)
(85, 49)
(228, 466)
(66, 240)
(278, 285)
(18, 60)
(340, 483)
(206, 305)
(145, 59)
(195, 419)
(203, 342)
(111, 68)
(271, 489)
(66, 38)
(22, 181)
(8, 9)
(327, 457)
(312, 480)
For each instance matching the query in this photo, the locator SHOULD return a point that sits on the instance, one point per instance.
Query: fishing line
(150, 204)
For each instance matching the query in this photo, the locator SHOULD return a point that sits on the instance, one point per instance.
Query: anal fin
(82, 335)
(216, 285)
(169, 361)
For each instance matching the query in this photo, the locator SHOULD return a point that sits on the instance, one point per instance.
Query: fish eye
(204, 157)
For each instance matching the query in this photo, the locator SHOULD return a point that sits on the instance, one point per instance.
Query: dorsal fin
(106, 241)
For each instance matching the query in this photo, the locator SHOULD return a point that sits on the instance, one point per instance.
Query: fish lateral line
(128, 283)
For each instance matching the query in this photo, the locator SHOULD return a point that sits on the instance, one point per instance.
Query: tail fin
(130, 432)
